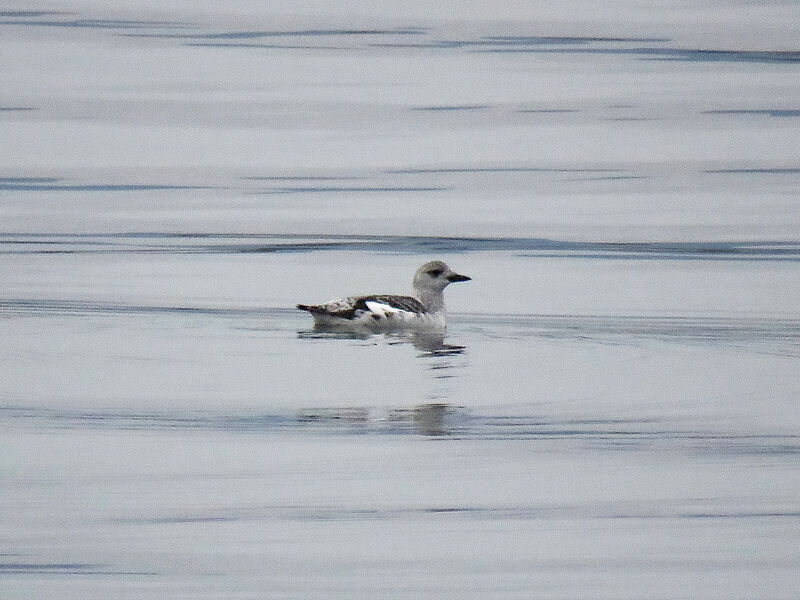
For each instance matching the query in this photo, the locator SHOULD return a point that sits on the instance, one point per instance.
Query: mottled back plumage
(346, 308)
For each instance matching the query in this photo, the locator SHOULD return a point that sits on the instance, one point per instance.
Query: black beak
(456, 277)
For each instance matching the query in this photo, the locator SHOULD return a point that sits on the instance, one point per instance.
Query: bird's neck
(432, 299)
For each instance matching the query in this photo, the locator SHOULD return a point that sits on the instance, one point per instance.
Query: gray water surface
(613, 410)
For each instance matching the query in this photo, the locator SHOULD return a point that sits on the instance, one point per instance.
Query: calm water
(613, 412)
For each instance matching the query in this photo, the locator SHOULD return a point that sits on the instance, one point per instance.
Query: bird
(424, 310)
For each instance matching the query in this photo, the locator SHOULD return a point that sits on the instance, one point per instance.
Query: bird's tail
(309, 308)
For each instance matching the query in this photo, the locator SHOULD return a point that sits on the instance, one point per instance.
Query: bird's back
(379, 311)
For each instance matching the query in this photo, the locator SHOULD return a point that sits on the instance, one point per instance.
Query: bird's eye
(435, 272)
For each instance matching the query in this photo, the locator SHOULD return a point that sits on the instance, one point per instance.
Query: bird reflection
(430, 344)
(435, 416)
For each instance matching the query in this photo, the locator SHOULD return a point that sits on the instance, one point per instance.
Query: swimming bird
(380, 312)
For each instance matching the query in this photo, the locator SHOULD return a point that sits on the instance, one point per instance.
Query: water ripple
(65, 569)
(224, 243)
(622, 510)
(435, 420)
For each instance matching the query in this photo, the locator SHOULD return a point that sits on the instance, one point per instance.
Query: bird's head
(435, 276)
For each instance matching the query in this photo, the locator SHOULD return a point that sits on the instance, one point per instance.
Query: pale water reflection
(429, 343)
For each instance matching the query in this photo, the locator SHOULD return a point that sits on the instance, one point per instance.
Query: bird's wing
(391, 303)
(354, 307)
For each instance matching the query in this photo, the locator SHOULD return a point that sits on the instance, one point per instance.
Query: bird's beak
(456, 277)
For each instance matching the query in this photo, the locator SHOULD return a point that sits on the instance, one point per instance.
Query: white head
(431, 279)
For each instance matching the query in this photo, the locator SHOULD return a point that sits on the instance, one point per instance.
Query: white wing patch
(384, 310)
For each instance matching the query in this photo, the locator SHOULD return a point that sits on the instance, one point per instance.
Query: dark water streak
(197, 34)
(226, 243)
(437, 420)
